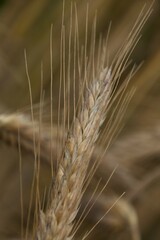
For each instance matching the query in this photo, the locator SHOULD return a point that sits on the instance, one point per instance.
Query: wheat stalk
(12, 125)
(57, 223)
(58, 220)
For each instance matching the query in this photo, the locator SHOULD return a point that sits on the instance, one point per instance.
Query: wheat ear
(57, 222)
(13, 124)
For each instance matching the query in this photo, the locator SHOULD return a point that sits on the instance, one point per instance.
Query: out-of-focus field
(26, 25)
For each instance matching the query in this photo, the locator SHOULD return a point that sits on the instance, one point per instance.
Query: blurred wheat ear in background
(58, 179)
